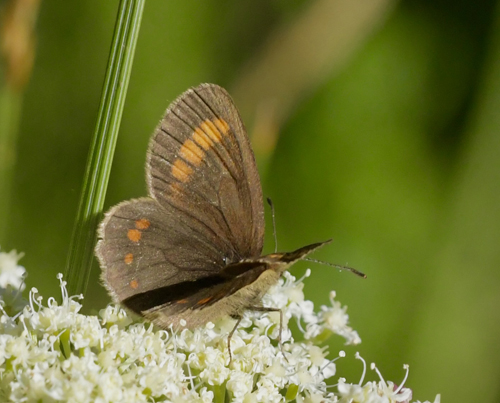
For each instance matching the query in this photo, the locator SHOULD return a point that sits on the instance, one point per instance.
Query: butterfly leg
(269, 309)
(230, 335)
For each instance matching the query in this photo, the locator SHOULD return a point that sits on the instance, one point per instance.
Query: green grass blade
(100, 158)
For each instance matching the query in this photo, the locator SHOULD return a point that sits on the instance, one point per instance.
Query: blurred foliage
(393, 151)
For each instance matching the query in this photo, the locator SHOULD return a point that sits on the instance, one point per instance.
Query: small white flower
(115, 315)
(11, 274)
(110, 386)
(239, 384)
(212, 363)
(335, 319)
(86, 332)
(267, 391)
(314, 398)
(350, 392)
(316, 355)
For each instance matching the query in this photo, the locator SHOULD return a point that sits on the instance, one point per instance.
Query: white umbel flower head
(51, 352)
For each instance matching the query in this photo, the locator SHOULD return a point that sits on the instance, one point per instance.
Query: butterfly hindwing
(144, 247)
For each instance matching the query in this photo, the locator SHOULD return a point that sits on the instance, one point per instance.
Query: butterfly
(191, 251)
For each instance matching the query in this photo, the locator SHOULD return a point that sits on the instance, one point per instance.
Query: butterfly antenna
(270, 202)
(337, 266)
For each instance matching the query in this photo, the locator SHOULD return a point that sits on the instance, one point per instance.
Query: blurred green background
(375, 123)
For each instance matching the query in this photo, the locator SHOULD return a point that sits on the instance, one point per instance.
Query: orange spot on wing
(129, 258)
(182, 301)
(202, 139)
(142, 224)
(181, 170)
(203, 301)
(134, 235)
(209, 128)
(221, 125)
(134, 284)
(191, 152)
(176, 188)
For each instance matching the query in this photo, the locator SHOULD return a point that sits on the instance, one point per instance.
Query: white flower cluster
(52, 353)
(11, 281)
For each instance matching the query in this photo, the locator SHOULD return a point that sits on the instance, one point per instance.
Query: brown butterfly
(192, 249)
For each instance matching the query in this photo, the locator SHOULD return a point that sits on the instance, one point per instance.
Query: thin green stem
(10, 115)
(100, 158)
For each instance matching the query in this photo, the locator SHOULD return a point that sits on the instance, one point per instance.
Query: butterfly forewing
(200, 165)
